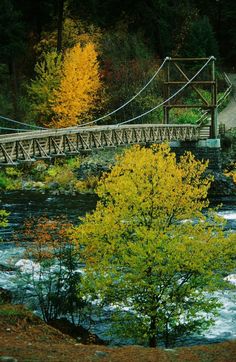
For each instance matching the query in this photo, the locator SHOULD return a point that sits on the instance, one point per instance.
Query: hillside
(25, 337)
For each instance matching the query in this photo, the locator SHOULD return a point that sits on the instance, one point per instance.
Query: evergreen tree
(200, 41)
(12, 45)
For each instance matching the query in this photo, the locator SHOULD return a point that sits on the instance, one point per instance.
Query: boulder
(78, 332)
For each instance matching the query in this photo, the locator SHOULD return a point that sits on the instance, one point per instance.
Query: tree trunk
(13, 82)
(167, 341)
(60, 24)
(152, 333)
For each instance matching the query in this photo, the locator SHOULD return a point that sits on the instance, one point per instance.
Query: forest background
(126, 40)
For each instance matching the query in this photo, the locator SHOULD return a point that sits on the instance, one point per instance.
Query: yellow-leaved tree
(78, 94)
(151, 252)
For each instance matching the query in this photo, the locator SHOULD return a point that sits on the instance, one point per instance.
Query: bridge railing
(227, 92)
(204, 118)
(30, 146)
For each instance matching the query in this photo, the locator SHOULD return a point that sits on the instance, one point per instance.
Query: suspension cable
(130, 100)
(16, 129)
(168, 99)
(24, 124)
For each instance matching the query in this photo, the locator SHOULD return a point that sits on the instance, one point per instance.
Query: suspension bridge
(28, 145)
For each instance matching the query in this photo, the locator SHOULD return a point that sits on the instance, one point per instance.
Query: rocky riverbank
(81, 174)
(222, 186)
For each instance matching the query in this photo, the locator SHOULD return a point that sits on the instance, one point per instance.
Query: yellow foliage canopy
(77, 95)
(150, 247)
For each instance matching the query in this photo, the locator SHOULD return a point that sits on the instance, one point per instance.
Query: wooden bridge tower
(178, 72)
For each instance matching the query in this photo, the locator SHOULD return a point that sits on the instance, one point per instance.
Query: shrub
(10, 179)
(54, 276)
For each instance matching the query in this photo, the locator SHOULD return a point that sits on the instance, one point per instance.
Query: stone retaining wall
(209, 149)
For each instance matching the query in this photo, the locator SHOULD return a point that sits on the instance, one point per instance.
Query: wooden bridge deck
(46, 144)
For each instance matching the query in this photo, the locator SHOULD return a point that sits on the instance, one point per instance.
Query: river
(24, 204)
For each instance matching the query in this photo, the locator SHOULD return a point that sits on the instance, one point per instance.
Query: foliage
(58, 178)
(3, 218)
(87, 185)
(151, 253)
(12, 314)
(5, 96)
(231, 171)
(38, 170)
(48, 74)
(155, 29)
(159, 21)
(63, 176)
(12, 48)
(133, 45)
(182, 116)
(63, 93)
(54, 274)
(125, 76)
(194, 98)
(11, 28)
(73, 32)
(67, 84)
(77, 95)
(74, 162)
(222, 101)
(200, 41)
(3, 223)
(192, 116)
(10, 179)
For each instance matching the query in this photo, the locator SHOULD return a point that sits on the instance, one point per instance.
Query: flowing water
(24, 204)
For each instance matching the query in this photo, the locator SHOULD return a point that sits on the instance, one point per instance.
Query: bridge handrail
(21, 123)
(227, 91)
(204, 116)
(75, 130)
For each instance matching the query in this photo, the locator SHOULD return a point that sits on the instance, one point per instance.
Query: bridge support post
(214, 123)
(166, 109)
(178, 75)
(214, 110)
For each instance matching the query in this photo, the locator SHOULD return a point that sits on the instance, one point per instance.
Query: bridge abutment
(209, 149)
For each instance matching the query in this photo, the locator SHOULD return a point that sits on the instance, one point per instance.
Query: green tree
(41, 90)
(200, 41)
(124, 75)
(150, 248)
(12, 46)
(222, 15)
